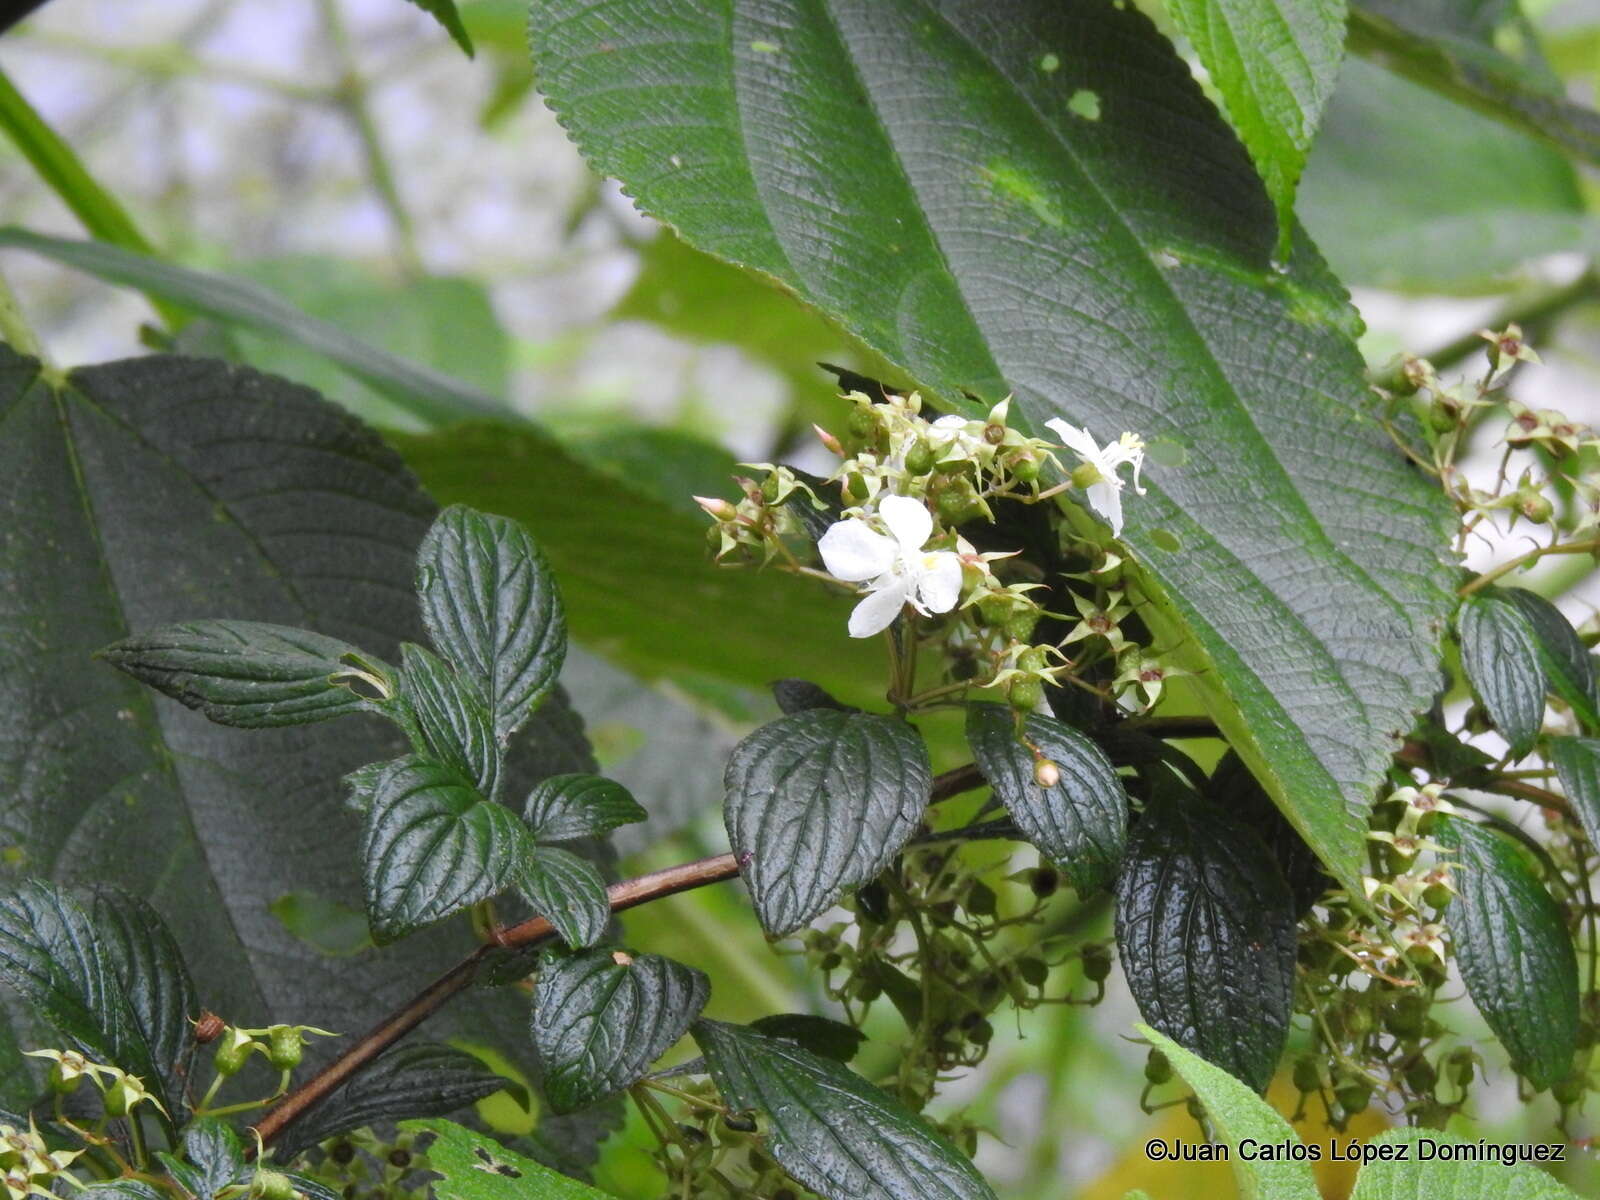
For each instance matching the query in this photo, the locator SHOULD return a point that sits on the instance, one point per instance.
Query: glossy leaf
(1514, 952)
(1424, 1171)
(1275, 63)
(1079, 823)
(474, 1166)
(245, 673)
(1568, 668)
(820, 801)
(1233, 788)
(491, 606)
(567, 891)
(212, 1159)
(574, 806)
(1500, 655)
(433, 846)
(1044, 203)
(421, 1079)
(451, 715)
(1237, 1114)
(1206, 933)
(822, 1036)
(1577, 764)
(601, 1017)
(831, 1130)
(149, 968)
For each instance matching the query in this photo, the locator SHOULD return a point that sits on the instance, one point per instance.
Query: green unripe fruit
(1033, 971)
(1437, 895)
(1443, 414)
(1026, 694)
(1569, 1090)
(1025, 470)
(919, 459)
(830, 961)
(60, 1085)
(284, 1050)
(957, 506)
(739, 1123)
(1535, 506)
(1043, 882)
(230, 1056)
(1353, 1097)
(1458, 1066)
(1019, 626)
(1422, 1076)
(118, 1099)
(1096, 964)
(1156, 1068)
(1358, 1022)
(980, 901)
(1307, 1076)
(1407, 1016)
(1032, 659)
(273, 1185)
(980, 1033)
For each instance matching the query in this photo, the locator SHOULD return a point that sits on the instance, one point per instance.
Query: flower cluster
(27, 1165)
(119, 1091)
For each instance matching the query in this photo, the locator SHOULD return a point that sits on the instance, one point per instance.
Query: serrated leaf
(1514, 951)
(491, 606)
(244, 673)
(1081, 823)
(1232, 787)
(1577, 764)
(831, 1130)
(212, 1158)
(797, 695)
(567, 891)
(997, 205)
(444, 12)
(452, 717)
(820, 801)
(1421, 1173)
(52, 955)
(573, 806)
(601, 1018)
(433, 846)
(1500, 656)
(476, 1167)
(149, 967)
(422, 1079)
(1206, 933)
(122, 1189)
(820, 1035)
(1569, 670)
(1275, 63)
(1237, 1114)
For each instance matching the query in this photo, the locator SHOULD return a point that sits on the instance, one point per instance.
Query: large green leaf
(1577, 763)
(1079, 823)
(564, 807)
(474, 1166)
(1427, 1169)
(1514, 952)
(1275, 63)
(1043, 202)
(1238, 1114)
(1445, 178)
(143, 493)
(452, 716)
(819, 801)
(1206, 933)
(832, 1130)
(1501, 659)
(601, 1017)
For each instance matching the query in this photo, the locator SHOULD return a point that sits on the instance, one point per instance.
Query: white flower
(896, 569)
(1105, 493)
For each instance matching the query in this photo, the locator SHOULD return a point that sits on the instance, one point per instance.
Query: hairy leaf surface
(601, 1017)
(819, 801)
(476, 1167)
(1206, 933)
(1514, 951)
(1080, 823)
(1416, 1175)
(830, 1129)
(1039, 200)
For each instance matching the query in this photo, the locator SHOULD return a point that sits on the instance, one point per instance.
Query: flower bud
(1307, 1074)
(119, 1098)
(284, 1048)
(1534, 505)
(919, 458)
(1026, 694)
(1025, 469)
(274, 1185)
(233, 1049)
(1444, 414)
(1045, 773)
(1157, 1069)
(716, 508)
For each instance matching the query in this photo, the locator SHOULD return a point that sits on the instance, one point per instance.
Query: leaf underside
(930, 175)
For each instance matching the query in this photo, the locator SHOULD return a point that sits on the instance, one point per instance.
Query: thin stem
(136, 1146)
(1587, 546)
(14, 327)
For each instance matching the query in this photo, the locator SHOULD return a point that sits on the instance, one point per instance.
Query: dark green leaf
(1044, 203)
(212, 1158)
(491, 606)
(1577, 763)
(427, 393)
(1568, 669)
(423, 1079)
(600, 1018)
(1444, 177)
(1080, 823)
(434, 846)
(1431, 44)
(574, 806)
(123, 1189)
(452, 717)
(797, 695)
(567, 891)
(820, 801)
(245, 673)
(1275, 63)
(830, 1129)
(1514, 952)
(1206, 932)
(1500, 655)
(1234, 789)
(149, 968)
(476, 1167)
(820, 1035)
(444, 12)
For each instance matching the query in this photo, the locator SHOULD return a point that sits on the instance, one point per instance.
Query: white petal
(853, 551)
(1074, 439)
(952, 421)
(908, 519)
(939, 584)
(1106, 499)
(877, 610)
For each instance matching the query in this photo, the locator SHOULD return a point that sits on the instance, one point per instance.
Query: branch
(630, 893)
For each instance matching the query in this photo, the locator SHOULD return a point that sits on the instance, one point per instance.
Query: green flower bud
(1026, 694)
(1025, 470)
(1570, 1090)
(274, 1185)
(919, 458)
(119, 1098)
(1307, 1074)
(284, 1049)
(1534, 505)
(1020, 625)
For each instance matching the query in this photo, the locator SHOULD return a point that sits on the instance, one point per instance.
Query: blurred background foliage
(344, 155)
